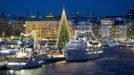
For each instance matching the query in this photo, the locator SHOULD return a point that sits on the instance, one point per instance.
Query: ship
(27, 55)
(26, 60)
(81, 49)
(6, 50)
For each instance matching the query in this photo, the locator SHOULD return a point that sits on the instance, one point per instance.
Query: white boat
(26, 56)
(7, 52)
(79, 49)
(113, 44)
(75, 50)
(23, 60)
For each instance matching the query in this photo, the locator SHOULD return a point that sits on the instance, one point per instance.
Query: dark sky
(100, 7)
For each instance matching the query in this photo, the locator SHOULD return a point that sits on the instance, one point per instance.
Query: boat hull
(33, 62)
(81, 55)
(75, 55)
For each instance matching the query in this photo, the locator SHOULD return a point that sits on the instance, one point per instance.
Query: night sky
(100, 7)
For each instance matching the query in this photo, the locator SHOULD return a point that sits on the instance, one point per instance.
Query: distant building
(130, 15)
(119, 30)
(113, 30)
(130, 31)
(17, 26)
(106, 30)
(130, 24)
(4, 26)
(119, 33)
(83, 26)
(96, 31)
(46, 29)
(87, 25)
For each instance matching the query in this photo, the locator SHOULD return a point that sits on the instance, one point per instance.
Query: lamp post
(24, 26)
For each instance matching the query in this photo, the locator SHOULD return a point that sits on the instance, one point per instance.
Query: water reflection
(113, 62)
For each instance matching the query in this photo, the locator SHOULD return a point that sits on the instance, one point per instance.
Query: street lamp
(12, 37)
(24, 26)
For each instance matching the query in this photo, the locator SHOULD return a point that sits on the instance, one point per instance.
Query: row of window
(41, 22)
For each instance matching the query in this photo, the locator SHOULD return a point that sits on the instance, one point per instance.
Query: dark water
(114, 61)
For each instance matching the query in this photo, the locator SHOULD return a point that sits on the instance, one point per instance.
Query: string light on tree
(63, 34)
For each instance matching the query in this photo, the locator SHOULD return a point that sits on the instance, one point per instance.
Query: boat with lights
(79, 49)
(28, 54)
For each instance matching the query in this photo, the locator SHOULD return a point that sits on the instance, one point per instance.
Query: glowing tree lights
(63, 34)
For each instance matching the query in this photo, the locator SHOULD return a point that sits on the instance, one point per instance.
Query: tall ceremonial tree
(63, 34)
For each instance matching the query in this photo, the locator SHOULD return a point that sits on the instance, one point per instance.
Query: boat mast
(34, 36)
(36, 44)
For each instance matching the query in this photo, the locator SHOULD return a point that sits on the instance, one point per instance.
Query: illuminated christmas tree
(63, 35)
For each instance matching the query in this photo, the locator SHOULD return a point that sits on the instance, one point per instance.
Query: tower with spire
(50, 16)
(63, 33)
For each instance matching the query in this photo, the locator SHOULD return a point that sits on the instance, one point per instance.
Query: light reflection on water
(112, 62)
(37, 71)
(132, 48)
(58, 68)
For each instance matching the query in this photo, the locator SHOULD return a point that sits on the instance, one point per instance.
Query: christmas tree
(63, 35)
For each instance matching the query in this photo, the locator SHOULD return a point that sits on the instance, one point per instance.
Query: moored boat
(26, 55)
(79, 49)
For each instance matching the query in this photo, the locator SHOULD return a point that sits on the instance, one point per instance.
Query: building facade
(106, 30)
(46, 30)
(96, 31)
(130, 31)
(17, 26)
(83, 26)
(88, 26)
(119, 33)
(4, 26)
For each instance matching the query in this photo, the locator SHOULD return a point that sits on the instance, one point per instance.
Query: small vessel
(113, 44)
(24, 60)
(94, 49)
(75, 50)
(79, 49)
(7, 50)
(27, 55)
(130, 43)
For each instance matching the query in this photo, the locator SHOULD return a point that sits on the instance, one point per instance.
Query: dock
(55, 56)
